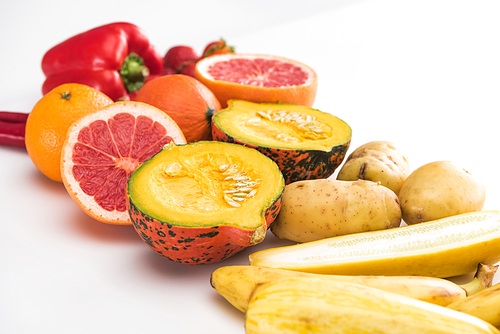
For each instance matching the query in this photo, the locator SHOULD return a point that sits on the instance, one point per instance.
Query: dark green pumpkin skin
(196, 245)
(295, 165)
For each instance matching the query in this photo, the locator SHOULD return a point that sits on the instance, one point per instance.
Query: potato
(437, 190)
(377, 161)
(323, 208)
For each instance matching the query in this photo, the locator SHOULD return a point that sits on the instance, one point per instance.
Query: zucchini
(442, 248)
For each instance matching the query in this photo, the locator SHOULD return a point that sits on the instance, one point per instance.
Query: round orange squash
(186, 100)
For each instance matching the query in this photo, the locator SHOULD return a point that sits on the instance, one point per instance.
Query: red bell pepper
(115, 59)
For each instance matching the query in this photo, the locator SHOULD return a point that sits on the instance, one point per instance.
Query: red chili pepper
(115, 59)
(12, 128)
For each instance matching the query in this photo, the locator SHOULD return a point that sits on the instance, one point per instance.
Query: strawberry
(178, 57)
(189, 69)
(168, 71)
(217, 47)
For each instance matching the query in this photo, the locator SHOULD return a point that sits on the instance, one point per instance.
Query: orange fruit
(190, 104)
(50, 119)
(257, 78)
(102, 149)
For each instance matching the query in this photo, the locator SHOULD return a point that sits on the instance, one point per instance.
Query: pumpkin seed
(252, 183)
(244, 189)
(231, 202)
(301, 126)
(266, 115)
(231, 170)
(255, 121)
(252, 193)
(238, 184)
(241, 178)
(304, 122)
(173, 169)
(240, 190)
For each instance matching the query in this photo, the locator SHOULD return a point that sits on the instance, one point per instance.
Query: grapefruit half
(258, 78)
(102, 149)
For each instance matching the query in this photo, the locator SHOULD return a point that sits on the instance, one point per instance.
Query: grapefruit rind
(86, 202)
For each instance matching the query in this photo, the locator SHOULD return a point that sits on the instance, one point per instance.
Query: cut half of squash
(443, 248)
(202, 202)
(306, 143)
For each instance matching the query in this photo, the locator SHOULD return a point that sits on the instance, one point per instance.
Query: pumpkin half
(203, 202)
(305, 143)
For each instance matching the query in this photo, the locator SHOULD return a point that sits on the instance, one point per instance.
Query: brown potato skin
(437, 190)
(323, 208)
(377, 161)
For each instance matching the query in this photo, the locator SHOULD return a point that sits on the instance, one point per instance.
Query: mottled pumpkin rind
(197, 245)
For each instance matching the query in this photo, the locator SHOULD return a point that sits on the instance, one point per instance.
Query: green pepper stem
(133, 72)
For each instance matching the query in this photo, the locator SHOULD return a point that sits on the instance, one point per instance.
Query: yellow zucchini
(445, 247)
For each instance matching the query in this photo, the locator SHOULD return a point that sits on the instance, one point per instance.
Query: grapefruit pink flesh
(259, 72)
(107, 153)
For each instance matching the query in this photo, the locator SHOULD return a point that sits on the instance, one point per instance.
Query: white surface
(423, 74)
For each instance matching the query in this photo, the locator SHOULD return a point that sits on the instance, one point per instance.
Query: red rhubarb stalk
(12, 128)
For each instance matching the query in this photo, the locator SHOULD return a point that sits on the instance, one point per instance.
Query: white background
(423, 74)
